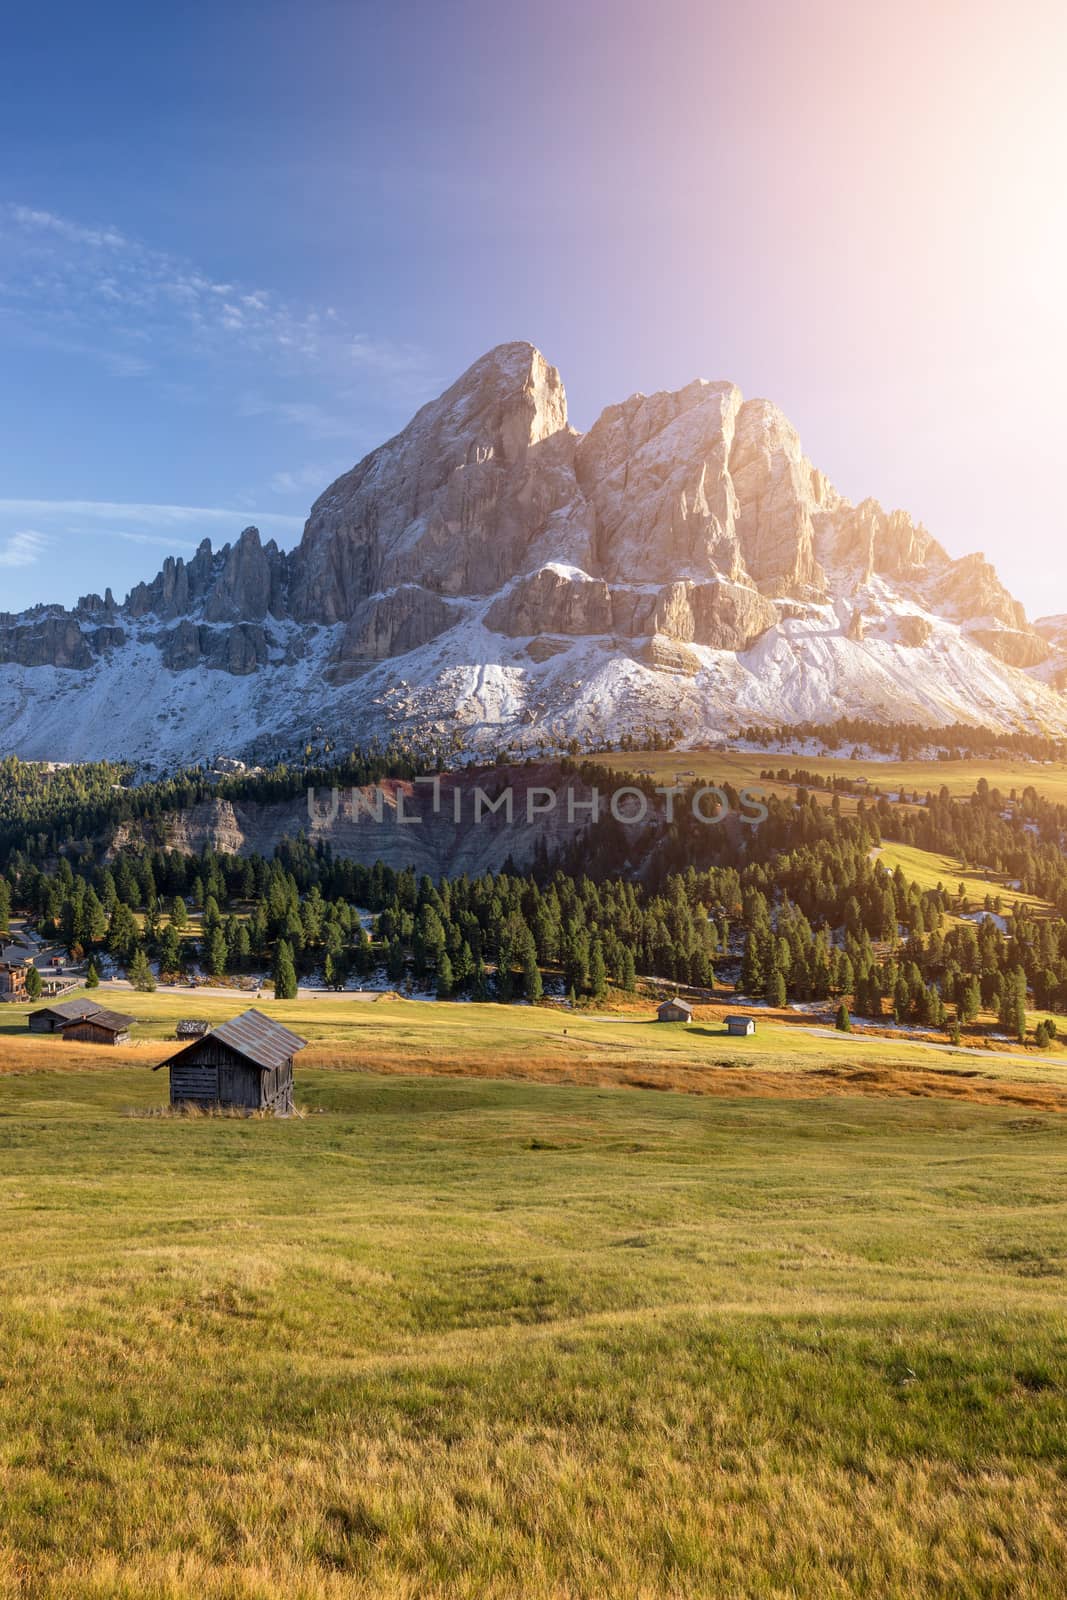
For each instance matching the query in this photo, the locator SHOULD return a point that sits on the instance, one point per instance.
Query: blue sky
(240, 244)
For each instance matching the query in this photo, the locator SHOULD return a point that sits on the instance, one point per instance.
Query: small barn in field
(246, 1063)
(82, 1019)
(674, 1010)
(99, 1027)
(192, 1028)
(740, 1026)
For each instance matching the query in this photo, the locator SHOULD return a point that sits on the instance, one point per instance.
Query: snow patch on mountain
(682, 568)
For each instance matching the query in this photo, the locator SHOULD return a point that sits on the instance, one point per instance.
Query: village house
(246, 1063)
(674, 1010)
(740, 1026)
(14, 968)
(83, 1020)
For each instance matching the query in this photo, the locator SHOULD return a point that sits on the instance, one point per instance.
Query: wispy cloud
(22, 549)
(48, 222)
(153, 521)
(316, 420)
(154, 539)
(92, 290)
(309, 479)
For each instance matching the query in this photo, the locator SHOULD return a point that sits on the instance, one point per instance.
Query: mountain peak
(513, 387)
(683, 565)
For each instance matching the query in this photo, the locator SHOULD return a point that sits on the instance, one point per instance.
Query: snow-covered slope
(681, 567)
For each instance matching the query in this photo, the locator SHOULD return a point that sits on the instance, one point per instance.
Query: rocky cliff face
(491, 568)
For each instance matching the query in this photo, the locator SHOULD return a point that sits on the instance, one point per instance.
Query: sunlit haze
(239, 245)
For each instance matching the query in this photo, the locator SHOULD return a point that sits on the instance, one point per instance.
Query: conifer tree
(598, 972)
(217, 953)
(140, 973)
(284, 972)
(531, 978)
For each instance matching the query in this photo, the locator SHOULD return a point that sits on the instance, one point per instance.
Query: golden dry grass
(741, 767)
(788, 1058)
(461, 1339)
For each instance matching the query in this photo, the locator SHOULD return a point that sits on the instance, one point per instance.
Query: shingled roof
(74, 1010)
(101, 1017)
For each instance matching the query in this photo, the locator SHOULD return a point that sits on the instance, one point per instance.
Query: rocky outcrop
(251, 582)
(721, 615)
(913, 631)
(970, 588)
(239, 650)
(667, 655)
(884, 543)
(725, 616)
(654, 472)
(554, 600)
(1019, 648)
(700, 484)
(543, 649)
(1054, 629)
(48, 641)
(779, 494)
(391, 625)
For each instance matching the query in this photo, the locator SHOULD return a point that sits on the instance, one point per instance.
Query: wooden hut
(674, 1010)
(53, 1019)
(82, 1019)
(99, 1027)
(246, 1063)
(192, 1028)
(740, 1026)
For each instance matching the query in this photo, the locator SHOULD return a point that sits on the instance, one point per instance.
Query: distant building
(14, 967)
(246, 1063)
(675, 1011)
(740, 1026)
(100, 1027)
(191, 1028)
(84, 1020)
(53, 1019)
(53, 986)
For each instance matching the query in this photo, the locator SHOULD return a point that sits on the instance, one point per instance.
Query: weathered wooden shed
(740, 1027)
(674, 1010)
(192, 1028)
(99, 1027)
(54, 1019)
(246, 1063)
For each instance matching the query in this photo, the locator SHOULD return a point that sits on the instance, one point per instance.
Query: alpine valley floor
(454, 1336)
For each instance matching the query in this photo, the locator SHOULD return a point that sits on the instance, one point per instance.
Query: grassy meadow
(492, 1320)
(741, 767)
(463, 1338)
(794, 1054)
(928, 869)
